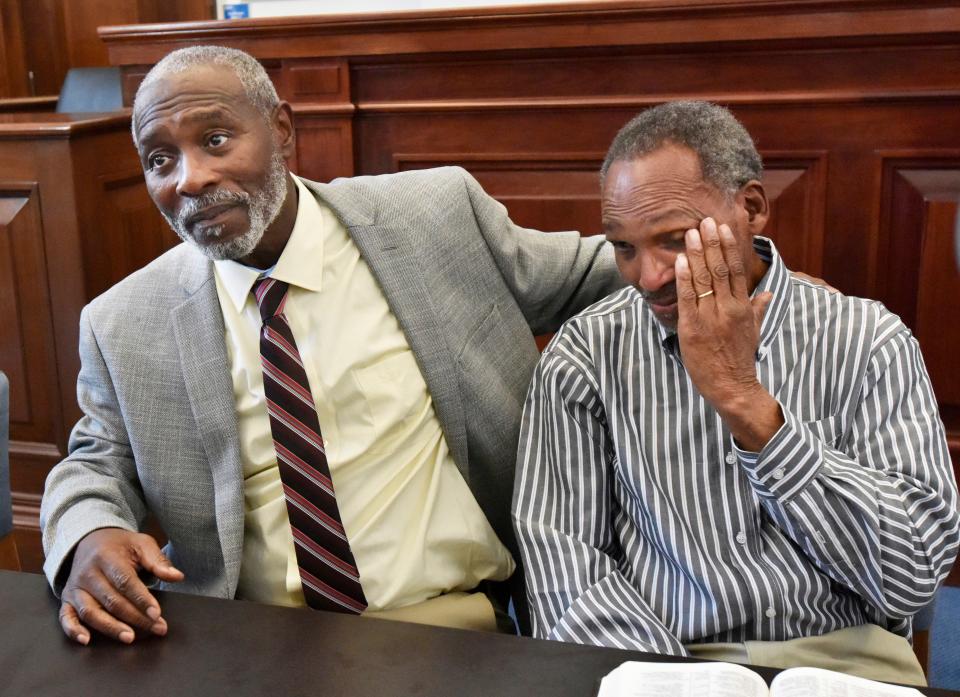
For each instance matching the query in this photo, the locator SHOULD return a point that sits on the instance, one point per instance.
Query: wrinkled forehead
(207, 85)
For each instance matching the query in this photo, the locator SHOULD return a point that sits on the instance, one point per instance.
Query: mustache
(662, 296)
(194, 206)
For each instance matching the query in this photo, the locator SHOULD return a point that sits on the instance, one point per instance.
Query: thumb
(153, 560)
(759, 303)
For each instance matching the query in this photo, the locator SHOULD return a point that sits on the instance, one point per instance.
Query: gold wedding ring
(705, 294)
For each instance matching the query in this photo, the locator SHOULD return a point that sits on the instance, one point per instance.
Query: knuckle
(703, 278)
(110, 603)
(712, 241)
(721, 271)
(83, 612)
(737, 268)
(120, 580)
(687, 293)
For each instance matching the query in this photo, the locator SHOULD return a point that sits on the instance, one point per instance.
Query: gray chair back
(6, 510)
(88, 90)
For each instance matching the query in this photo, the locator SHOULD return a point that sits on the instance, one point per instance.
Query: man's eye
(155, 161)
(620, 246)
(217, 139)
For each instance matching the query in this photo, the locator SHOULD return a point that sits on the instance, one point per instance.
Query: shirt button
(771, 613)
(731, 459)
(742, 537)
(820, 538)
(778, 473)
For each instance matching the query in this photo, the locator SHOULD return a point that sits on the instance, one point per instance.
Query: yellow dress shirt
(415, 529)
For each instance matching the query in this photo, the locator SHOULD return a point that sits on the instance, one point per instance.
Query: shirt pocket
(396, 397)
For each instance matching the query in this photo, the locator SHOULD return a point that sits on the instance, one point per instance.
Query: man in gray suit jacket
(169, 428)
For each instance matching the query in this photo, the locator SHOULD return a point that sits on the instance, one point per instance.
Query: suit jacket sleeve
(552, 275)
(96, 485)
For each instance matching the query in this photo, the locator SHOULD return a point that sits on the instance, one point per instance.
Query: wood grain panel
(131, 232)
(324, 146)
(26, 343)
(539, 190)
(796, 187)
(918, 250)
(46, 50)
(13, 70)
(316, 81)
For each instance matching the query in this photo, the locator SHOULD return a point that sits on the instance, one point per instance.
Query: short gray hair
(256, 83)
(728, 157)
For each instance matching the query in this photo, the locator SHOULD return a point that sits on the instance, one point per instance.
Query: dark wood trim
(46, 103)
(547, 26)
(9, 559)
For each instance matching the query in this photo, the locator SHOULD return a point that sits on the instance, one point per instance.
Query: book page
(636, 679)
(816, 682)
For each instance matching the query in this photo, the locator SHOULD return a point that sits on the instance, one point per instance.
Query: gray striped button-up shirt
(643, 525)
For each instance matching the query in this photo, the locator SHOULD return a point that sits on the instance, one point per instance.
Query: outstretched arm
(91, 511)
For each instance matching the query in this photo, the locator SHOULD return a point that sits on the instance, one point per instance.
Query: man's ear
(282, 123)
(756, 205)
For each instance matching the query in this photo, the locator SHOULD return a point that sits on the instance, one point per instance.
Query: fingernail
(126, 637)
(681, 259)
(159, 628)
(83, 639)
(693, 239)
(725, 231)
(153, 612)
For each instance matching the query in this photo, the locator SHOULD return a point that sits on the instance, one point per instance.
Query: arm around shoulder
(552, 275)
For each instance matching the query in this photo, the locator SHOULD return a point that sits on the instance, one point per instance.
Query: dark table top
(224, 647)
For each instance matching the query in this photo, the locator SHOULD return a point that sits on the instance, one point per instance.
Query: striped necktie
(327, 568)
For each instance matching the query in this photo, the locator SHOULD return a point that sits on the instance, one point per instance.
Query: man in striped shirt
(722, 459)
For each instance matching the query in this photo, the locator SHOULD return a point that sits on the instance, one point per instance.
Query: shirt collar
(300, 263)
(776, 280)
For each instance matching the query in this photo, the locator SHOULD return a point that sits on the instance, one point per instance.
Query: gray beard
(262, 206)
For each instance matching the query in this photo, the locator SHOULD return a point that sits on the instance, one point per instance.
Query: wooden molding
(650, 22)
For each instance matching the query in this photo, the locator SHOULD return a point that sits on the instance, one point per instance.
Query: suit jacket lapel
(199, 332)
(384, 248)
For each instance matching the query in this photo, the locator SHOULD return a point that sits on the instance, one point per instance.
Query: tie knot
(270, 295)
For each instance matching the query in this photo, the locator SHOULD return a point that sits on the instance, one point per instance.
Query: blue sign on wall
(236, 10)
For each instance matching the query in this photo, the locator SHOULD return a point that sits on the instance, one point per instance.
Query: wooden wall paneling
(758, 72)
(119, 226)
(920, 278)
(80, 21)
(27, 357)
(130, 230)
(46, 44)
(546, 191)
(13, 70)
(796, 186)
(83, 17)
(59, 158)
(324, 149)
(574, 25)
(319, 91)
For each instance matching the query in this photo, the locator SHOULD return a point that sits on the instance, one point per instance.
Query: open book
(635, 679)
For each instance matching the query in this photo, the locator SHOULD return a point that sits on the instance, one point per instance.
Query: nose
(196, 174)
(652, 271)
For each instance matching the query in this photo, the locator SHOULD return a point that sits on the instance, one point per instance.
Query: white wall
(287, 8)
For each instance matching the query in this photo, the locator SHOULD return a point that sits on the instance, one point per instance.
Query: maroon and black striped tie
(327, 568)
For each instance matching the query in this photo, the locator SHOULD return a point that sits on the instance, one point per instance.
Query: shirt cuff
(787, 463)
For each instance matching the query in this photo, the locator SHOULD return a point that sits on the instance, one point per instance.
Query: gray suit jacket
(469, 288)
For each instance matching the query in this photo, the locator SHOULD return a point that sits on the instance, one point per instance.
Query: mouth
(663, 305)
(210, 215)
